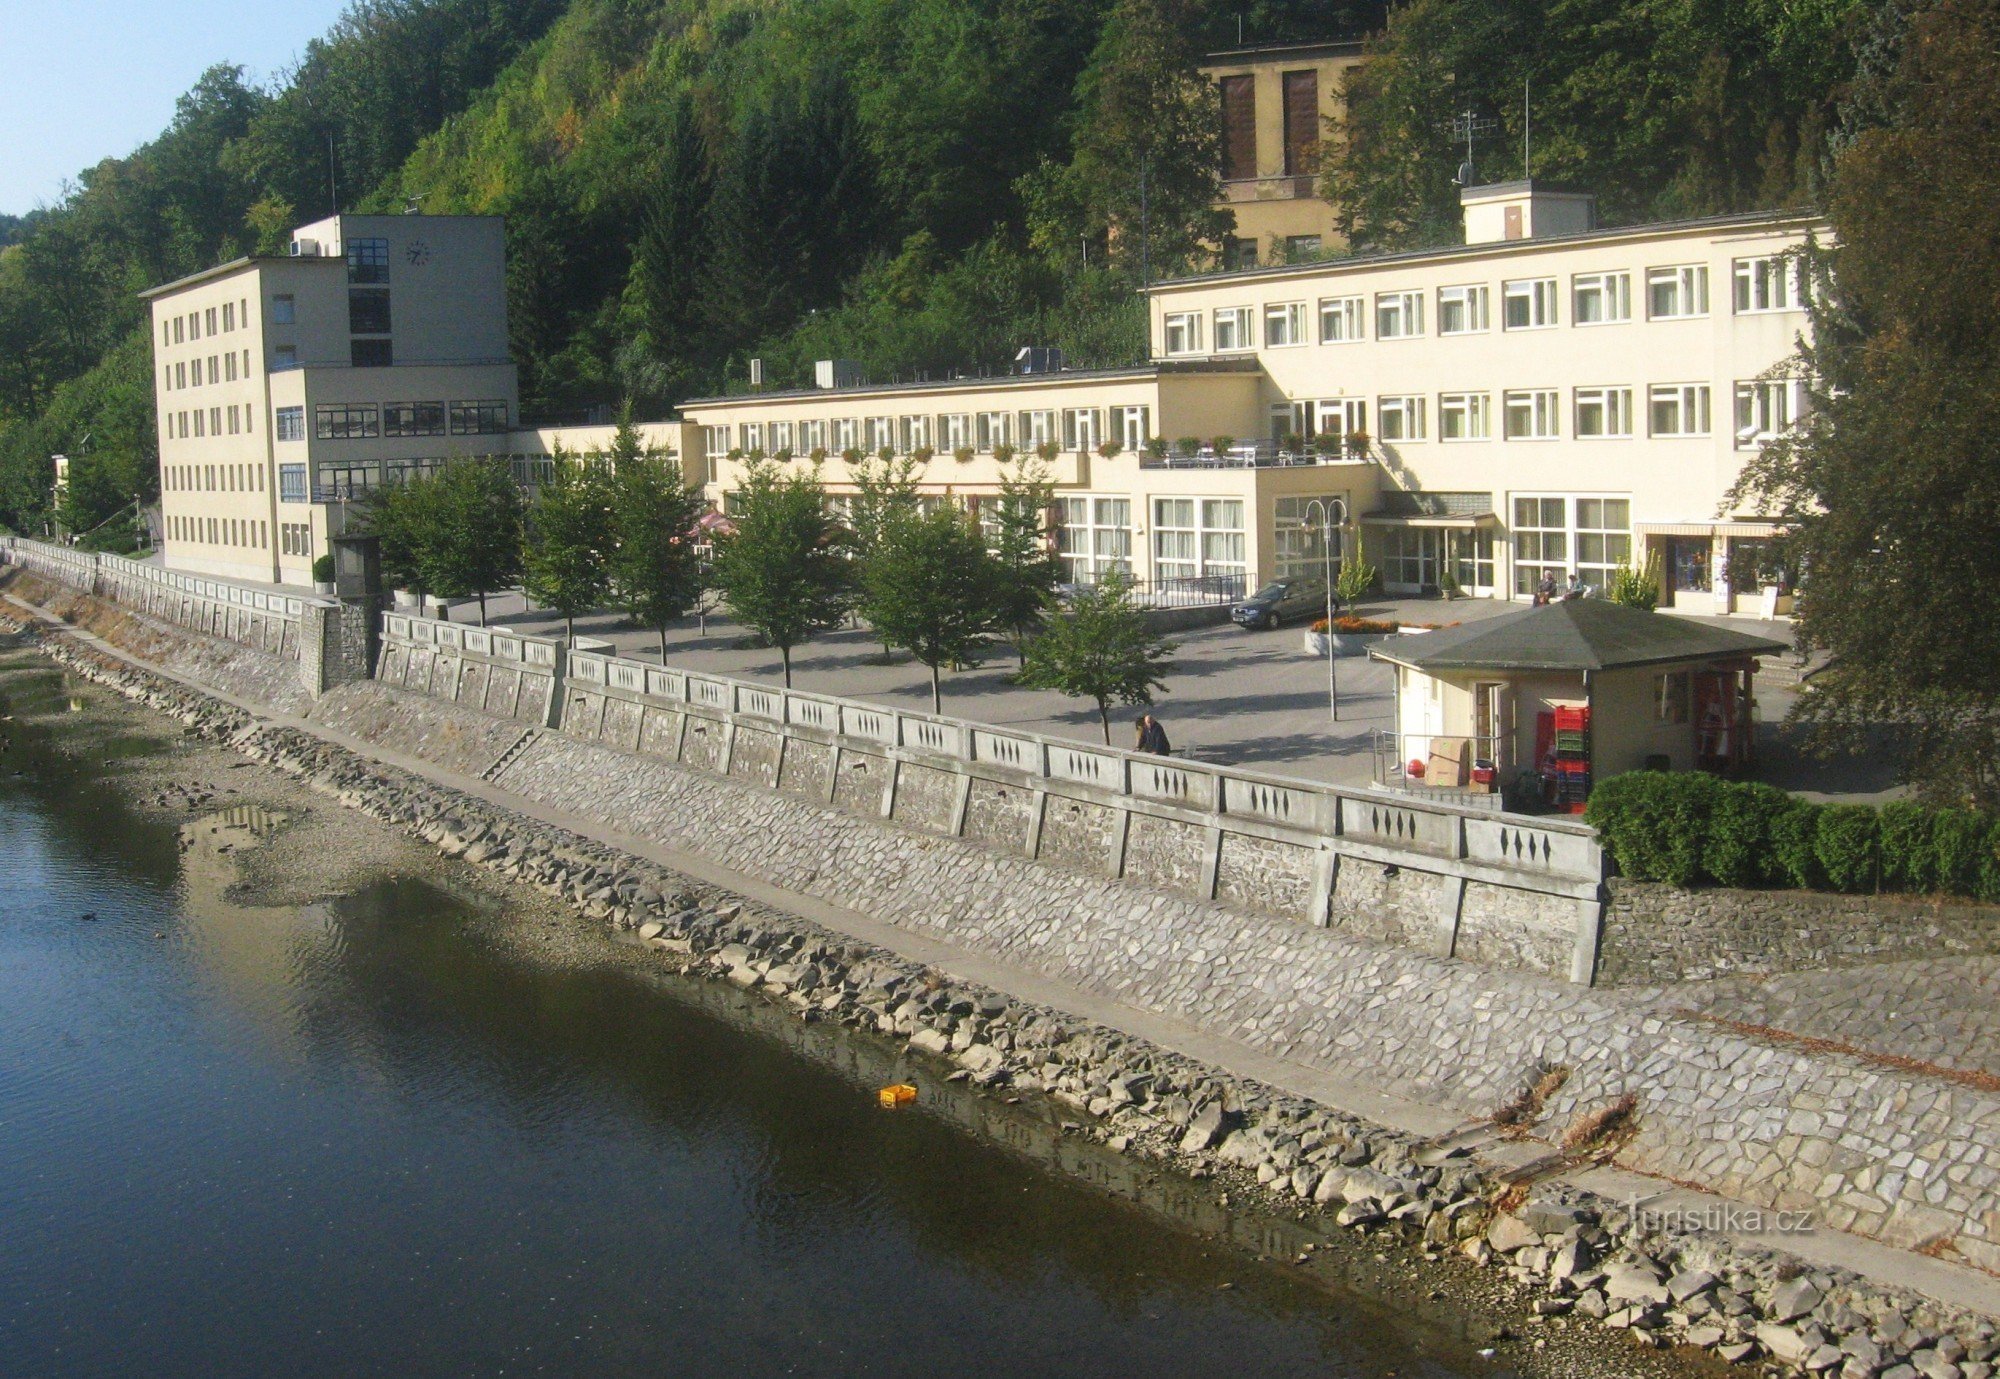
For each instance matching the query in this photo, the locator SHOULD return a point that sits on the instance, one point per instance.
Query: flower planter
(1344, 643)
(325, 588)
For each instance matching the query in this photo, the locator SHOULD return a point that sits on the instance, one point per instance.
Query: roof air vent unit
(305, 248)
(1037, 359)
(836, 373)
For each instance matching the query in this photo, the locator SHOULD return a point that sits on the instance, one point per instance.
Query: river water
(358, 1138)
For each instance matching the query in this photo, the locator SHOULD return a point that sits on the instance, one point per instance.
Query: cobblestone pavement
(1938, 1010)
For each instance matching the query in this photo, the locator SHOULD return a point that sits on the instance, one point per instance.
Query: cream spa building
(286, 383)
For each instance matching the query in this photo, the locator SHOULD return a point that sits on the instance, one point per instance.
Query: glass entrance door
(1688, 566)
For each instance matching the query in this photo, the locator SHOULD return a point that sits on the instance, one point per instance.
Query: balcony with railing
(1260, 454)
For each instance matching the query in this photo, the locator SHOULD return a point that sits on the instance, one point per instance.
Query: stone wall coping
(118, 568)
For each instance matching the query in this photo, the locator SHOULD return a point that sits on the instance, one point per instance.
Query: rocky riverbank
(1576, 1269)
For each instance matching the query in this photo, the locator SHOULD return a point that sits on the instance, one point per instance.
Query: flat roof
(1359, 262)
(1587, 634)
(223, 270)
(1248, 364)
(1256, 52)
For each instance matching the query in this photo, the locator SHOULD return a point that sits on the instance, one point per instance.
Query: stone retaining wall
(501, 674)
(1658, 934)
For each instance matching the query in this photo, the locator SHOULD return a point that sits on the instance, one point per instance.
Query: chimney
(1521, 210)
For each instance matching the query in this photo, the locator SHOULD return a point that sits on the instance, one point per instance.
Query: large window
(1603, 413)
(1400, 418)
(1603, 538)
(1183, 331)
(291, 483)
(1678, 409)
(881, 432)
(1541, 541)
(1083, 428)
(371, 354)
(1552, 536)
(1094, 538)
(1133, 426)
(291, 424)
(1399, 315)
(1340, 320)
(478, 418)
(368, 260)
(750, 437)
(1197, 537)
(413, 418)
(1530, 414)
(1222, 548)
(1341, 417)
(992, 430)
(1600, 299)
(1284, 324)
(913, 434)
(1464, 417)
(812, 436)
(846, 434)
(1765, 409)
(781, 438)
(368, 311)
(346, 423)
(1767, 283)
(1037, 428)
(1676, 293)
(1462, 310)
(284, 310)
(955, 431)
(1233, 327)
(1530, 303)
(715, 441)
(1299, 537)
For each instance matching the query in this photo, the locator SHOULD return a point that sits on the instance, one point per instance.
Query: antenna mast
(1527, 123)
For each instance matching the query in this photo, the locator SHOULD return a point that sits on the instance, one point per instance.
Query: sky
(82, 80)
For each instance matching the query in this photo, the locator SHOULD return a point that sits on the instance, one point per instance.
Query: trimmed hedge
(1688, 828)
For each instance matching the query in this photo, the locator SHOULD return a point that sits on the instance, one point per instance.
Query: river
(359, 1136)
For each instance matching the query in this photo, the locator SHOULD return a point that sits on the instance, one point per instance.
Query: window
(1094, 537)
(1463, 417)
(346, 423)
(371, 354)
(214, 369)
(483, 418)
(181, 373)
(1239, 127)
(368, 311)
(284, 310)
(912, 434)
(1769, 283)
(1671, 696)
(1284, 324)
(1083, 428)
(229, 367)
(954, 431)
(208, 318)
(1766, 409)
(1462, 310)
(285, 357)
(1175, 539)
(1198, 537)
(750, 437)
(1399, 315)
(1232, 328)
(178, 336)
(215, 420)
(1037, 428)
(1541, 541)
(413, 419)
(194, 325)
(1238, 254)
(291, 483)
(229, 316)
(781, 437)
(1301, 93)
(1529, 414)
(1183, 331)
(990, 431)
(368, 260)
(234, 424)
(1222, 551)
(1603, 538)
(715, 441)
(846, 434)
(881, 434)
(1676, 293)
(1133, 426)
(1341, 416)
(1603, 413)
(1301, 248)
(1400, 418)
(1529, 304)
(812, 436)
(1299, 536)
(1339, 320)
(1599, 299)
(1678, 409)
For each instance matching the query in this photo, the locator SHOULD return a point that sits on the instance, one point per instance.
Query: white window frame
(1528, 304)
(1765, 285)
(1540, 408)
(1038, 426)
(749, 436)
(1473, 300)
(1602, 414)
(1237, 326)
(1342, 320)
(1766, 408)
(1284, 325)
(846, 434)
(955, 431)
(1477, 411)
(1688, 285)
(1083, 428)
(1342, 416)
(782, 437)
(1400, 417)
(1134, 427)
(1405, 310)
(1690, 402)
(1180, 332)
(812, 436)
(1612, 292)
(991, 430)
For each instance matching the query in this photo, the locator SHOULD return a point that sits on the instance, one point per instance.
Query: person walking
(1152, 737)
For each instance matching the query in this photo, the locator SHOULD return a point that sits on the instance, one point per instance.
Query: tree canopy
(1099, 648)
(782, 571)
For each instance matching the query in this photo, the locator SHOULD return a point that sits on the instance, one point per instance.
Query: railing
(335, 483)
(1182, 591)
(1436, 825)
(1260, 454)
(1283, 187)
(1468, 768)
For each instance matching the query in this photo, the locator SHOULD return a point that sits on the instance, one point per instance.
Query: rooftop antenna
(1469, 125)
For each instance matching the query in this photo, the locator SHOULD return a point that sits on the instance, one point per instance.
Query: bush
(1794, 846)
(1960, 839)
(1909, 852)
(1739, 850)
(1848, 843)
(1655, 823)
(323, 570)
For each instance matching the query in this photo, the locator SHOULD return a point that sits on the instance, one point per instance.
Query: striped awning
(1707, 528)
(1457, 521)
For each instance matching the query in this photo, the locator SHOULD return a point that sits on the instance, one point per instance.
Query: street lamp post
(1332, 517)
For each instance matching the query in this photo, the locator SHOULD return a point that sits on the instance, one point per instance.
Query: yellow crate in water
(898, 1094)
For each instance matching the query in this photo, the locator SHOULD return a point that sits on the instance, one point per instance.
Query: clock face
(419, 253)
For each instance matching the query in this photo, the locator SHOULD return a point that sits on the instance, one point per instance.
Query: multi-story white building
(378, 340)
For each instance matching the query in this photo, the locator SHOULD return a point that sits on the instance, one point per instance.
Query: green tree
(783, 572)
(1100, 648)
(930, 587)
(1893, 469)
(473, 546)
(1027, 570)
(1355, 578)
(656, 574)
(885, 492)
(567, 558)
(401, 516)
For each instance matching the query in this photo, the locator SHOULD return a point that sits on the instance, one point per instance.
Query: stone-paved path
(1944, 1011)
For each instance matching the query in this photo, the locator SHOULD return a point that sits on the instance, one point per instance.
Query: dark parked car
(1281, 601)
